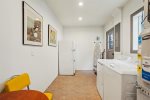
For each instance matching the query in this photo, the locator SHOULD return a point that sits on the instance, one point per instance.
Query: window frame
(131, 31)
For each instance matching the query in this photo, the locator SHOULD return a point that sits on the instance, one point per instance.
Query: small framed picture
(52, 36)
(32, 26)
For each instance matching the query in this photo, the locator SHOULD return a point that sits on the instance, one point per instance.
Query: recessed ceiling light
(80, 4)
(80, 18)
(37, 19)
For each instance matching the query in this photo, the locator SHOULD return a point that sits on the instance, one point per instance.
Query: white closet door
(66, 58)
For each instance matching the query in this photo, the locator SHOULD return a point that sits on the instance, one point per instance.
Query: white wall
(84, 38)
(124, 19)
(130, 8)
(40, 62)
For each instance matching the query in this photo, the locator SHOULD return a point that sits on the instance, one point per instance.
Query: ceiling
(94, 12)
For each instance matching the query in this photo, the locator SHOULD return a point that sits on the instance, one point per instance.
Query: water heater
(143, 80)
(145, 44)
(146, 57)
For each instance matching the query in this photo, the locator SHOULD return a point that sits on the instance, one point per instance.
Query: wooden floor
(82, 86)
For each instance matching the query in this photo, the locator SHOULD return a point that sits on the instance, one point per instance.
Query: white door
(66, 66)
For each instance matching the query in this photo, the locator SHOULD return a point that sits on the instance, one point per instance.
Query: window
(136, 28)
(110, 39)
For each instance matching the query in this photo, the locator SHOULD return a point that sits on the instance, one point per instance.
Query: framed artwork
(32, 26)
(52, 36)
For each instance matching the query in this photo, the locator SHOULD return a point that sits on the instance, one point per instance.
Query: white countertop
(120, 66)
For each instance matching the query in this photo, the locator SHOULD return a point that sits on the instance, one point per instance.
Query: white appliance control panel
(144, 90)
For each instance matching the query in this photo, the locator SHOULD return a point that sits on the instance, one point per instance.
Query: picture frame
(52, 36)
(32, 26)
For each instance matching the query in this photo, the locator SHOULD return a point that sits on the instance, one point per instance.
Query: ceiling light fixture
(80, 18)
(80, 4)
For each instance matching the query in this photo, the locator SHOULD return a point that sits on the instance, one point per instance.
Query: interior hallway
(82, 86)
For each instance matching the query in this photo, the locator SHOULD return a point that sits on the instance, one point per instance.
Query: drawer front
(130, 84)
(131, 88)
(130, 98)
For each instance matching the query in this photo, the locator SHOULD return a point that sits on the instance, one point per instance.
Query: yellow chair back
(17, 83)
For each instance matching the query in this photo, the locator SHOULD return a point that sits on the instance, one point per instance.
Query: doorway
(110, 44)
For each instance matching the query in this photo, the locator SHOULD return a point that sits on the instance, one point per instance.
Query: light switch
(32, 53)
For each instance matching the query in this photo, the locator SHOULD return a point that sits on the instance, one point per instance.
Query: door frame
(117, 39)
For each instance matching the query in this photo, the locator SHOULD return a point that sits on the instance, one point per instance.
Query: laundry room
(75, 50)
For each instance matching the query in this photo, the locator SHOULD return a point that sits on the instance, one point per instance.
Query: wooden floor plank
(82, 86)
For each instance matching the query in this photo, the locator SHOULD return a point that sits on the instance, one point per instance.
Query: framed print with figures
(32, 26)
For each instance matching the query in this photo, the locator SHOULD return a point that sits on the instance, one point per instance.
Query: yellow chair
(19, 82)
(49, 95)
